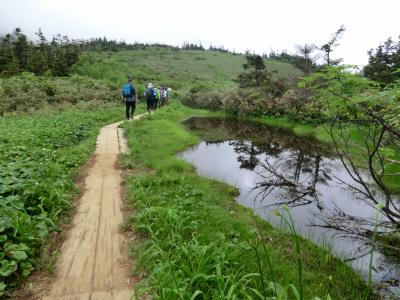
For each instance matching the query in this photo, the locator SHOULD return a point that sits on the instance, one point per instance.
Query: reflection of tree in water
(293, 165)
(292, 175)
(247, 154)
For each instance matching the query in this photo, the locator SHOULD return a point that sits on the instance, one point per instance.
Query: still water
(271, 167)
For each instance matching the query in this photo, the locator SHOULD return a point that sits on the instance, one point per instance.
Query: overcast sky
(258, 25)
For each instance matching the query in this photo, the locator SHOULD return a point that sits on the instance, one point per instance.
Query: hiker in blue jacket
(129, 94)
(150, 95)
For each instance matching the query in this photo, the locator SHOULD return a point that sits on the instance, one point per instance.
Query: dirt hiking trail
(93, 264)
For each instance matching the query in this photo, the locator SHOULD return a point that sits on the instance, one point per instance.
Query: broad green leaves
(7, 267)
(2, 288)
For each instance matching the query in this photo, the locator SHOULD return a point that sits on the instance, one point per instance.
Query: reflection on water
(272, 167)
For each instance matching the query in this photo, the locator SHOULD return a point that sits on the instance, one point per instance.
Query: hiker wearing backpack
(129, 94)
(150, 95)
(163, 96)
(157, 100)
(169, 94)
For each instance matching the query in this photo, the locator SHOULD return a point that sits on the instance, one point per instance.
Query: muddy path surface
(93, 263)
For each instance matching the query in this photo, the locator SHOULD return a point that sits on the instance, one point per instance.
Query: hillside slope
(179, 69)
(98, 77)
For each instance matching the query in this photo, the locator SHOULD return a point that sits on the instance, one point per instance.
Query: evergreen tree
(22, 50)
(384, 63)
(331, 45)
(40, 55)
(8, 62)
(17, 54)
(258, 76)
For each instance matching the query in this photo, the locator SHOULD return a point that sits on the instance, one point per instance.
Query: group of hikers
(155, 97)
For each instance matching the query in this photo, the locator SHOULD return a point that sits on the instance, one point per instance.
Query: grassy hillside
(98, 77)
(179, 69)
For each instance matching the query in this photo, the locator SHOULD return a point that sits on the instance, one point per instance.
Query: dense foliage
(38, 157)
(18, 54)
(384, 62)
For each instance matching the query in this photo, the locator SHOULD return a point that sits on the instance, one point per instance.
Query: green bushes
(261, 91)
(27, 92)
(252, 102)
(38, 157)
(212, 100)
(245, 102)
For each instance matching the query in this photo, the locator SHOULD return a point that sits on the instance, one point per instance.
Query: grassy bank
(195, 242)
(39, 157)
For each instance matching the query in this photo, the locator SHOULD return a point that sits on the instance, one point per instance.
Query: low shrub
(254, 102)
(212, 100)
(27, 92)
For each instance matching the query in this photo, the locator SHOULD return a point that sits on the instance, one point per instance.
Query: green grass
(197, 242)
(177, 69)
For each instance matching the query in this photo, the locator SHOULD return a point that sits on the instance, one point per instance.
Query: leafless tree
(376, 164)
(283, 177)
(306, 51)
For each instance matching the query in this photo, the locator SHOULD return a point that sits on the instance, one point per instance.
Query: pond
(271, 167)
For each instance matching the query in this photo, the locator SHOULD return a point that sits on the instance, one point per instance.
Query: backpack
(150, 94)
(127, 90)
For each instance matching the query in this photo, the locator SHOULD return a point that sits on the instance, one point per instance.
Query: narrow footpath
(93, 263)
